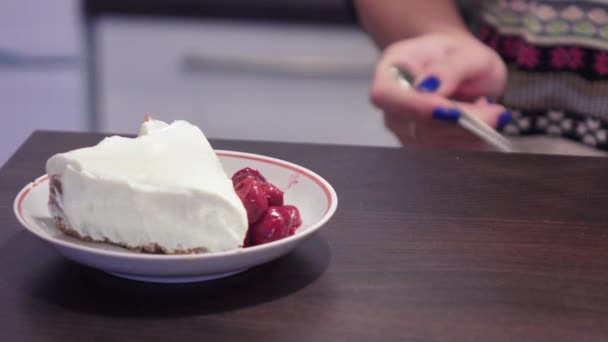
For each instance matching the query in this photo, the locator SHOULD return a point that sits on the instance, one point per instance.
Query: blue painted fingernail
(446, 114)
(490, 99)
(429, 84)
(503, 119)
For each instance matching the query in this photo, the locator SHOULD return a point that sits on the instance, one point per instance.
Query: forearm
(388, 21)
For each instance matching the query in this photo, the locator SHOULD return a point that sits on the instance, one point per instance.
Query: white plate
(314, 197)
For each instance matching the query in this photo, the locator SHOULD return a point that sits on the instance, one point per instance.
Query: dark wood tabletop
(425, 246)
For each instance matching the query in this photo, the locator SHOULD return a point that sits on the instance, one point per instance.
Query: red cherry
(269, 220)
(296, 220)
(245, 173)
(254, 199)
(274, 195)
(277, 223)
(273, 226)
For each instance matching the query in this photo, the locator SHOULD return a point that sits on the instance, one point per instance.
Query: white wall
(34, 97)
(31, 96)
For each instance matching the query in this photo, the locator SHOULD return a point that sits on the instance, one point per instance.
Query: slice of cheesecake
(162, 192)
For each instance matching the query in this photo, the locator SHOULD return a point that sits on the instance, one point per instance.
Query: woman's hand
(449, 68)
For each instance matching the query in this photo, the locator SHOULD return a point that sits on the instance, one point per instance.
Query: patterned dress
(557, 55)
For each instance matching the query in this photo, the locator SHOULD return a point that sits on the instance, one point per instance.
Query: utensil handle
(483, 135)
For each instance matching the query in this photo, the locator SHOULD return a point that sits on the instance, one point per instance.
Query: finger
(484, 101)
(448, 73)
(492, 114)
(390, 96)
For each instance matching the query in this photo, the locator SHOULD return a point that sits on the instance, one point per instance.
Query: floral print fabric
(557, 54)
(550, 35)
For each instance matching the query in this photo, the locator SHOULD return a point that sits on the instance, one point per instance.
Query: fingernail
(429, 84)
(503, 119)
(490, 99)
(446, 114)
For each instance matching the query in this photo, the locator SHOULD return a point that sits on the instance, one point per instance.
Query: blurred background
(41, 84)
(282, 70)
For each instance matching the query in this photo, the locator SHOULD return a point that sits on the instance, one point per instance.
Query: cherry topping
(247, 172)
(254, 199)
(294, 214)
(274, 195)
(277, 223)
(269, 220)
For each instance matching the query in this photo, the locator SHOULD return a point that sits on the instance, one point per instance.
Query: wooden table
(425, 246)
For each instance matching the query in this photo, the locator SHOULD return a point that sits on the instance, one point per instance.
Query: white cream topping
(167, 186)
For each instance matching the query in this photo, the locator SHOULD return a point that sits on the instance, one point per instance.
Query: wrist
(458, 33)
(389, 21)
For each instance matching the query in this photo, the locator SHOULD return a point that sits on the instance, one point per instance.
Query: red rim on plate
(319, 181)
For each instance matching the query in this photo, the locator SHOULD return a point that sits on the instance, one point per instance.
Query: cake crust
(55, 193)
